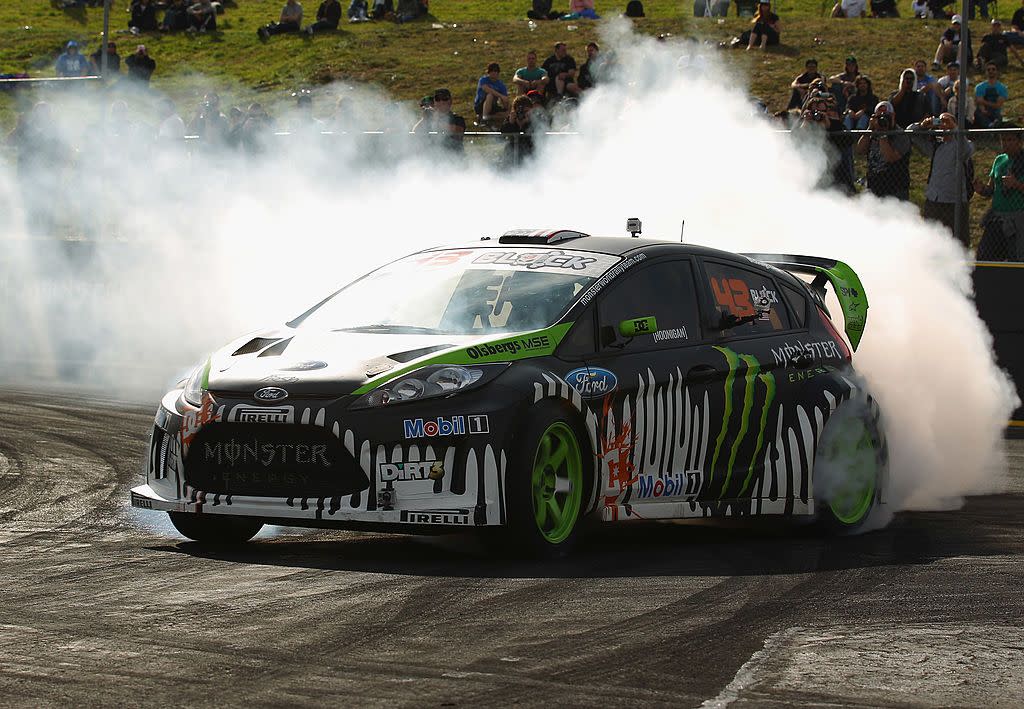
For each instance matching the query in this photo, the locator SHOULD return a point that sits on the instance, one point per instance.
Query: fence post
(961, 216)
(106, 38)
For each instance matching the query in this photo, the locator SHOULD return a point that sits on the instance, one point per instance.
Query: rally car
(527, 382)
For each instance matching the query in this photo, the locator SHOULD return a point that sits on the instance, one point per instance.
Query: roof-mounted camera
(633, 226)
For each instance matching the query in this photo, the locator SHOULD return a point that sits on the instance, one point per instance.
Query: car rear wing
(844, 280)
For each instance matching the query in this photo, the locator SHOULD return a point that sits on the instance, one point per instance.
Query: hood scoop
(410, 355)
(276, 350)
(255, 345)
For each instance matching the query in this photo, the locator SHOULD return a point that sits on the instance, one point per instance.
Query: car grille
(271, 460)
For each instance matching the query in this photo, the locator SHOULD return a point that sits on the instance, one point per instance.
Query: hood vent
(276, 350)
(410, 355)
(254, 345)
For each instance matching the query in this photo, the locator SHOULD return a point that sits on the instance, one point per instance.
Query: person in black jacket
(143, 16)
(140, 65)
(327, 17)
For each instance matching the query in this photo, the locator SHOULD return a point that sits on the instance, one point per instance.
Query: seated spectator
(888, 173)
(143, 16)
(172, 128)
(908, 104)
(943, 190)
(711, 8)
(328, 15)
(994, 47)
(581, 9)
(409, 10)
(938, 8)
(765, 31)
(382, 9)
(561, 69)
(518, 131)
(849, 8)
(255, 129)
(203, 16)
(530, 77)
(1017, 25)
(929, 88)
(113, 59)
(842, 84)
(450, 127)
(71, 63)
(542, 11)
(946, 82)
(358, 11)
(209, 123)
(1002, 237)
(176, 17)
(884, 8)
(860, 105)
(290, 21)
(970, 106)
(802, 83)
(920, 10)
(949, 45)
(990, 95)
(304, 122)
(140, 65)
(491, 101)
(591, 69)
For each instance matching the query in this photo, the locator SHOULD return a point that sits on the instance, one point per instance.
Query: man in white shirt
(849, 8)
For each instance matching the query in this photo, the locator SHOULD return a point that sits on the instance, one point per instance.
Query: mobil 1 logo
(445, 426)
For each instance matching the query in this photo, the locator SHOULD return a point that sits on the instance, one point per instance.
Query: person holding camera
(140, 65)
(518, 132)
(819, 111)
(439, 118)
(888, 151)
(208, 122)
(933, 138)
(1003, 224)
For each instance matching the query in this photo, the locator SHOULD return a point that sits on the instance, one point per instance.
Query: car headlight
(196, 384)
(429, 382)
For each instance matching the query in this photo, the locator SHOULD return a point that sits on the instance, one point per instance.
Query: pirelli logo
(262, 414)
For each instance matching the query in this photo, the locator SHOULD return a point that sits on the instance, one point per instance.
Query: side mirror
(726, 320)
(638, 326)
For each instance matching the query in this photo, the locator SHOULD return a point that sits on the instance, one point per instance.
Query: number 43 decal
(734, 294)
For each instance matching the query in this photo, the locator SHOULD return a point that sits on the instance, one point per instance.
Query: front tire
(848, 469)
(215, 530)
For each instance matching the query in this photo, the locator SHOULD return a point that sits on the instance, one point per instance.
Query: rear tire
(848, 469)
(215, 530)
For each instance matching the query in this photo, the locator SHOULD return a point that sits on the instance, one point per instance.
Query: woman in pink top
(583, 8)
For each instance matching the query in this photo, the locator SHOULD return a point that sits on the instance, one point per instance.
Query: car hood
(318, 363)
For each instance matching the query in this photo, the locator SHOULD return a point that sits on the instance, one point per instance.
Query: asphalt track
(103, 605)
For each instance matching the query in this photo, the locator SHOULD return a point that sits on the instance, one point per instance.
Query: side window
(797, 303)
(745, 293)
(580, 340)
(665, 291)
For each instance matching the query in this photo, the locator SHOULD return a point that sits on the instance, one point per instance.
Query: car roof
(612, 245)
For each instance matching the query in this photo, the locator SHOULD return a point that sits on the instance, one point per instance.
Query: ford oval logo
(592, 382)
(270, 394)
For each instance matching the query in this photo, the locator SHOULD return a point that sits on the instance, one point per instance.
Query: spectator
(849, 8)
(819, 112)
(328, 15)
(884, 8)
(290, 21)
(842, 84)
(711, 8)
(71, 63)
(113, 59)
(491, 101)
(946, 82)
(530, 77)
(860, 105)
(176, 17)
(256, 126)
(582, 9)
(907, 102)
(802, 83)
(1003, 224)
(765, 31)
(591, 69)
(202, 16)
(409, 10)
(542, 11)
(561, 69)
(943, 190)
(949, 45)
(1017, 25)
(970, 106)
(518, 132)
(990, 95)
(382, 9)
(450, 127)
(983, 4)
(143, 16)
(209, 123)
(304, 122)
(994, 47)
(930, 90)
(140, 65)
(358, 11)
(920, 10)
(888, 173)
(172, 128)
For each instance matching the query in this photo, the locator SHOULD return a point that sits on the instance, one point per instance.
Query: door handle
(701, 371)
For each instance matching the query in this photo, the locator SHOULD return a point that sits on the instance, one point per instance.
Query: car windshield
(462, 292)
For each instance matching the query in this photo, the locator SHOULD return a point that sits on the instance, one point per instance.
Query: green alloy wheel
(851, 458)
(557, 482)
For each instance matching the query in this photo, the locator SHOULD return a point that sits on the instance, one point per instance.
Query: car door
(753, 326)
(653, 421)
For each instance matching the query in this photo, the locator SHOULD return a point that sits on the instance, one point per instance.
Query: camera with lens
(885, 121)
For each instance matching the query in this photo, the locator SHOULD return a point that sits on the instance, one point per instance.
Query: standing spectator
(203, 16)
(819, 112)
(542, 11)
(209, 123)
(802, 83)
(860, 105)
(113, 59)
(143, 16)
(842, 84)
(172, 127)
(328, 15)
(766, 27)
(1003, 224)
(949, 45)
(888, 154)
(290, 21)
(884, 8)
(928, 87)
(907, 102)
(530, 77)
(990, 95)
(849, 8)
(994, 47)
(491, 101)
(561, 69)
(590, 70)
(518, 132)
(71, 63)
(450, 127)
(176, 17)
(140, 65)
(943, 190)
(970, 108)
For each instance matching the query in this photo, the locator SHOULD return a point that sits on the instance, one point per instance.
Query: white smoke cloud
(187, 253)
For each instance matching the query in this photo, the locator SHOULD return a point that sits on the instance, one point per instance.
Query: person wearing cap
(949, 45)
(561, 68)
(71, 62)
(491, 101)
(802, 83)
(842, 84)
(449, 126)
(943, 191)
(140, 65)
(994, 47)
(850, 8)
(946, 82)
(113, 59)
(930, 90)
(888, 173)
(531, 76)
(1003, 224)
